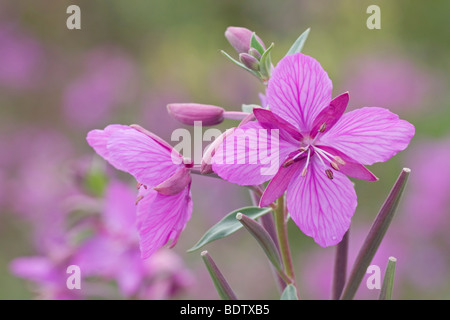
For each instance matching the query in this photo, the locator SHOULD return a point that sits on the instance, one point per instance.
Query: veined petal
(250, 155)
(269, 120)
(299, 90)
(143, 157)
(161, 218)
(331, 114)
(279, 183)
(98, 140)
(369, 135)
(321, 208)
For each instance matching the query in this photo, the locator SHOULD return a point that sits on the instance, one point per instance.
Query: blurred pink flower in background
(48, 275)
(113, 252)
(38, 181)
(21, 58)
(106, 82)
(427, 204)
(396, 83)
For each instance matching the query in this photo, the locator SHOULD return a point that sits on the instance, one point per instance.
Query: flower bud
(249, 61)
(240, 38)
(188, 113)
(254, 53)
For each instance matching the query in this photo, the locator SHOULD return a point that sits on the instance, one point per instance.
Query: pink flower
(113, 252)
(48, 275)
(164, 202)
(317, 146)
(21, 58)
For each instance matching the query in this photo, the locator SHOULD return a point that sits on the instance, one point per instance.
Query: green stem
(281, 226)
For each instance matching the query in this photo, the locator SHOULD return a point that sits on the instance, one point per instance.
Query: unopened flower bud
(188, 113)
(240, 38)
(254, 53)
(249, 61)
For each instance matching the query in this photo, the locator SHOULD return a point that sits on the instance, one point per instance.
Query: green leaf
(256, 74)
(299, 43)
(229, 225)
(265, 64)
(289, 293)
(254, 43)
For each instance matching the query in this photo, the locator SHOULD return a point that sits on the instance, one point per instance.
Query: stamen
(288, 162)
(329, 174)
(306, 164)
(320, 158)
(323, 127)
(139, 185)
(322, 153)
(304, 172)
(339, 160)
(334, 165)
(139, 198)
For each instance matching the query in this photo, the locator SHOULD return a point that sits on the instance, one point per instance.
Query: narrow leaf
(265, 64)
(228, 225)
(223, 288)
(299, 43)
(388, 281)
(264, 239)
(239, 64)
(375, 236)
(254, 43)
(289, 293)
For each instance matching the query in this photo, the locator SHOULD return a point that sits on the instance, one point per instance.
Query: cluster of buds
(253, 55)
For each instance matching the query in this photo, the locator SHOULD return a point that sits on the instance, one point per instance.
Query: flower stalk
(283, 241)
(340, 267)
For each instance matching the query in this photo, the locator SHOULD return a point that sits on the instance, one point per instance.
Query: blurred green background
(171, 49)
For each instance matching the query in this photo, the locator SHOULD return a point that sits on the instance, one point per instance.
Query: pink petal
(250, 155)
(321, 208)
(143, 157)
(162, 218)
(280, 182)
(331, 114)
(299, 90)
(352, 168)
(130, 275)
(98, 140)
(369, 135)
(269, 120)
(175, 183)
(36, 268)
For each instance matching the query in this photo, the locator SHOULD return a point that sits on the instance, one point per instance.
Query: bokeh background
(128, 61)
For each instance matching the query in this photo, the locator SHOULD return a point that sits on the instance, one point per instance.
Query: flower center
(308, 149)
